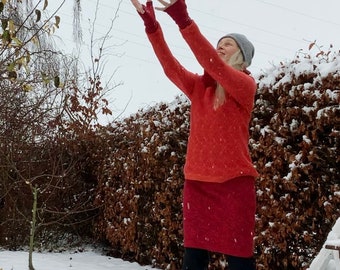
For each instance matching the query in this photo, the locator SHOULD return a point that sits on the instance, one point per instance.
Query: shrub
(140, 186)
(294, 145)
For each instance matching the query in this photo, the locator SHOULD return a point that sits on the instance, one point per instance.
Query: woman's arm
(181, 77)
(239, 85)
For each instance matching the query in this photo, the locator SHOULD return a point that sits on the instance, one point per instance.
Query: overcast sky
(278, 29)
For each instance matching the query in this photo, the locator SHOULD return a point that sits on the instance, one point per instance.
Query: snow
(322, 66)
(87, 260)
(328, 259)
(335, 242)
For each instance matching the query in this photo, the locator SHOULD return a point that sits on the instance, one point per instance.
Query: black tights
(198, 259)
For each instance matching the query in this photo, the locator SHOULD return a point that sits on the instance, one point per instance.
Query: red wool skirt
(220, 217)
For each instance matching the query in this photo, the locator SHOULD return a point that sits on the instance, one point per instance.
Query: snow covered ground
(91, 259)
(88, 260)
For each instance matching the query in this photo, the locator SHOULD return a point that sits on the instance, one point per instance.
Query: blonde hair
(237, 62)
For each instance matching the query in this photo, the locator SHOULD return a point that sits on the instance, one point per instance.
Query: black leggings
(198, 259)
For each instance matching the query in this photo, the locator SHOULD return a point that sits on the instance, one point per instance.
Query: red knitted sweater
(218, 141)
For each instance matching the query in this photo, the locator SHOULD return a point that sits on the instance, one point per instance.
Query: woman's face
(226, 48)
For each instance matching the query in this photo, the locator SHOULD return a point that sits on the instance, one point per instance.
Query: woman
(219, 189)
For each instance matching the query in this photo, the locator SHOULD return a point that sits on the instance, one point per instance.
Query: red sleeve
(181, 77)
(238, 84)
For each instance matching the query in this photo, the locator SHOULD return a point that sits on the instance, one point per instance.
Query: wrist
(178, 12)
(149, 18)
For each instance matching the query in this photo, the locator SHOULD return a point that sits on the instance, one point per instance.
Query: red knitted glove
(149, 18)
(179, 13)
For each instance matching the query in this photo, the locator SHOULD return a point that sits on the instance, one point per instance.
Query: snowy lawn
(88, 260)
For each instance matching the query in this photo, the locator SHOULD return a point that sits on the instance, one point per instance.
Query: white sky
(278, 29)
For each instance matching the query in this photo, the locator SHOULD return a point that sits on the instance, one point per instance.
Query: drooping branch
(77, 31)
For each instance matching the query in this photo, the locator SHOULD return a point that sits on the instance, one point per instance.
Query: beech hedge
(294, 145)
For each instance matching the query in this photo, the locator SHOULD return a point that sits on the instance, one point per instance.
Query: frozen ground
(88, 260)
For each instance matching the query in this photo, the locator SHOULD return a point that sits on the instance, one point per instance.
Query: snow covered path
(88, 260)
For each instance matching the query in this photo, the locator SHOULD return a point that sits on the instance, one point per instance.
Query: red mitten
(179, 13)
(149, 18)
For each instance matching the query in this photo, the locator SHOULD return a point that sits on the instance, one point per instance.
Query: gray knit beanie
(246, 47)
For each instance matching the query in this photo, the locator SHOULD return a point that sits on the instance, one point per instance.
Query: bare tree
(48, 125)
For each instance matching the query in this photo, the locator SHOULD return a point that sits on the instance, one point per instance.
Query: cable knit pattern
(218, 142)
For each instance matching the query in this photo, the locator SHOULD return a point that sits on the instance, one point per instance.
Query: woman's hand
(165, 4)
(147, 13)
(139, 6)
(177, 10)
